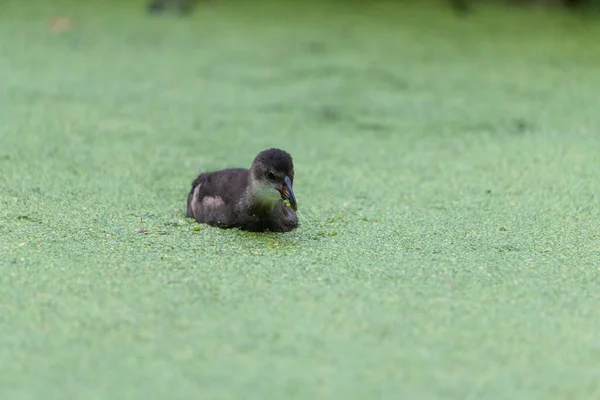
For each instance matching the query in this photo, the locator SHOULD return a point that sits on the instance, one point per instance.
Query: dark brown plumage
(249, 199)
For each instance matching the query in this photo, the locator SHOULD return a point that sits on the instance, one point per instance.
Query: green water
(446, 175)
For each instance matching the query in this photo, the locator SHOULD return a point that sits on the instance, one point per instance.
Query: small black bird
(252, 200)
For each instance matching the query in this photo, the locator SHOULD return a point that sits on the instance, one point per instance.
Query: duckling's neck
(262, 197)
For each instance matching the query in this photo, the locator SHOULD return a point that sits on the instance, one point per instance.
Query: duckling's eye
(270, 176)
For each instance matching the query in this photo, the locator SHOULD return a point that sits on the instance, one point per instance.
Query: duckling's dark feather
(223, 198)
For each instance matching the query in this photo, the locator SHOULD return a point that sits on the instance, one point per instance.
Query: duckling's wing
(214, 195)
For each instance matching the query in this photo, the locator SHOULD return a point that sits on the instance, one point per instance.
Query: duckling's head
(272, 175)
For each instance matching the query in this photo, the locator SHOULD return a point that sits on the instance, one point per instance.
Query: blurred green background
(446, 174)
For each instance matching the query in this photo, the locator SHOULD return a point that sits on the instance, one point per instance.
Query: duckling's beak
(287, 193)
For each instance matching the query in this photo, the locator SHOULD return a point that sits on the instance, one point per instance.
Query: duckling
(248, 199)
